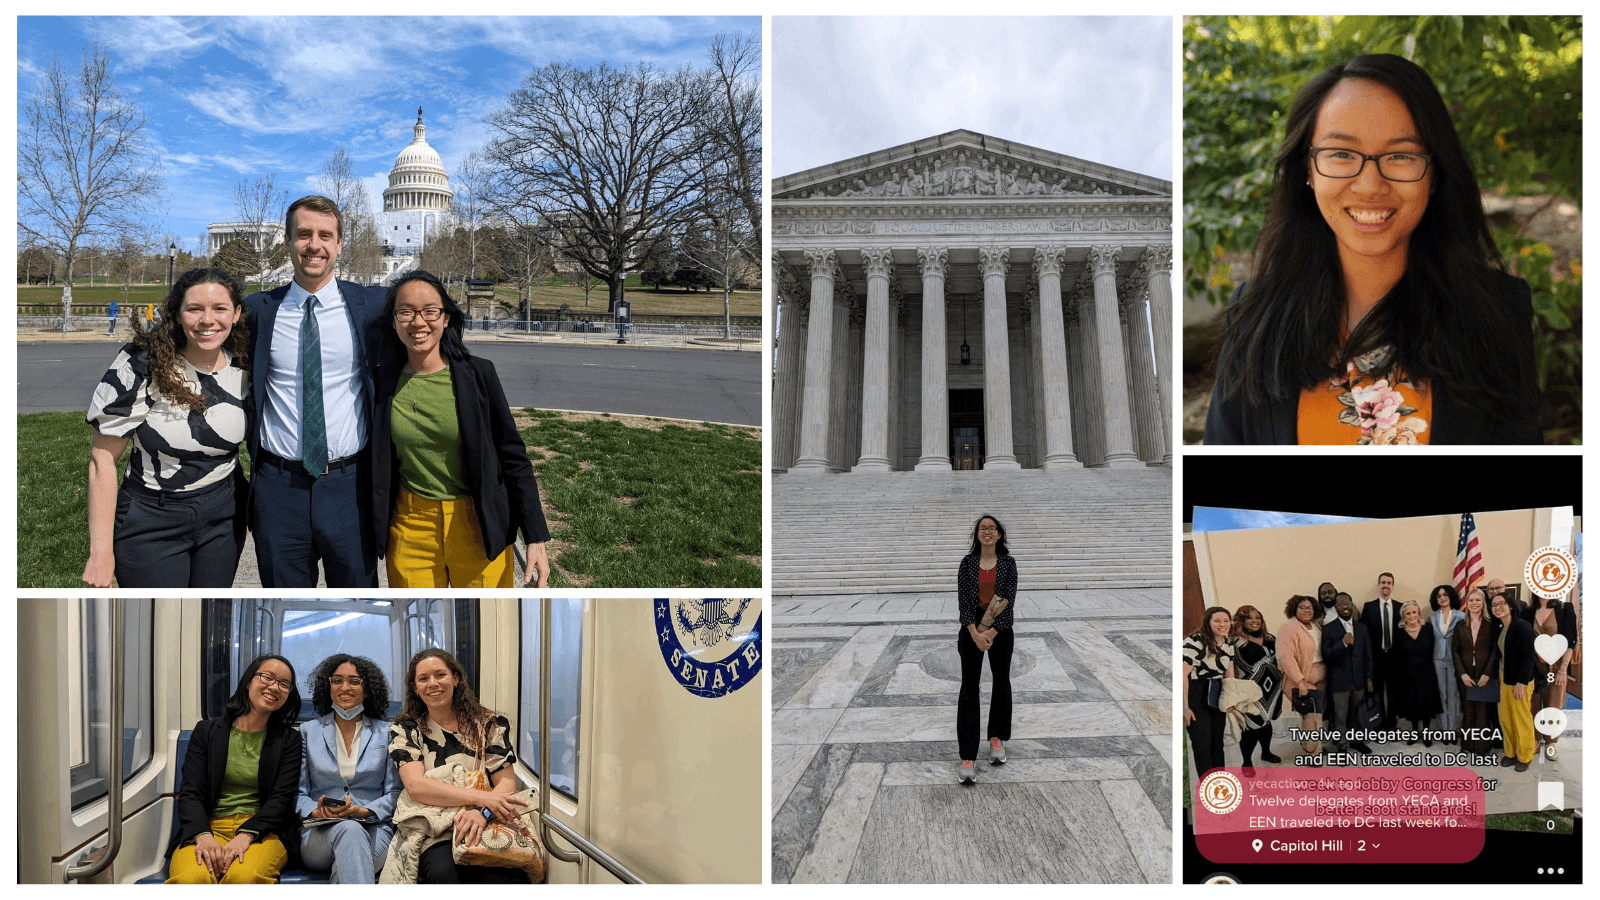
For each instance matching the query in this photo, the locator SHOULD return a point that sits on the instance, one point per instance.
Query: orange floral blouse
(1364, 408)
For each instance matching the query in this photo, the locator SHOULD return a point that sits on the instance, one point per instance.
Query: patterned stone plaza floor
(864, 749)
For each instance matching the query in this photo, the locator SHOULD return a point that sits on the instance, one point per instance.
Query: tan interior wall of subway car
(1264, 567)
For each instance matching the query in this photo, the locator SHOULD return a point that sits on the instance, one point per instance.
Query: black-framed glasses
(267, 680)
(1342, 162)
(428, 314)
(353, 680)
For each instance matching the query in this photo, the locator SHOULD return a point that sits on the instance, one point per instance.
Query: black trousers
(1205, 732)
(192, 539)
(436, 866)
(971, 676)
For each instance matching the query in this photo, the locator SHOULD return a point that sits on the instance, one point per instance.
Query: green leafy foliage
(1514, 88)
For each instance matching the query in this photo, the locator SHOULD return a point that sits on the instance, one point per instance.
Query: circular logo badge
(1550, 572)
(712, 647)
(1221, 792)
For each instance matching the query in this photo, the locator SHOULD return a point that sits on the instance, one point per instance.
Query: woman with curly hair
(179, 391)
(1299, 655)
(1208, 657)
(442, 724)
(348, 783)
(1255, 652)
(1378, 293)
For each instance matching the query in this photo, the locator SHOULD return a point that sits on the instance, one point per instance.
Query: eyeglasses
(1339, 162)
(988, 531)
(267, 680)
(428, 314)
(353, 680)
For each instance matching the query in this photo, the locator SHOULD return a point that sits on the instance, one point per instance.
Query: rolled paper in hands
(996, 607)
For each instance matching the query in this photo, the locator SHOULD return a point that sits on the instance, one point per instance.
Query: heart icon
(1550, 722)
(1550, 647)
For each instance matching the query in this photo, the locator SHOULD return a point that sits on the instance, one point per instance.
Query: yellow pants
(1516, 723)
(261, 862)
(437, 543)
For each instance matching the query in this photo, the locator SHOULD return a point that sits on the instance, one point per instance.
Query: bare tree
(735, 125)
(525, 253)
(258, 204)
(127, 260)
(85, 170)
(613, 156)
(362, 256)
(722, 244)
(470, 206)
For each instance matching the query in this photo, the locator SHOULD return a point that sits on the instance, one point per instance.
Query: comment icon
(1550, 722)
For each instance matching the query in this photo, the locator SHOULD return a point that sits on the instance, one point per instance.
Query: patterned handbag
(503, 846)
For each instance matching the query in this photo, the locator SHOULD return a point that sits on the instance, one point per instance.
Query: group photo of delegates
(1434, 654)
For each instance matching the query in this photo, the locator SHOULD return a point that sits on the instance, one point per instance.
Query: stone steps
(903, 532)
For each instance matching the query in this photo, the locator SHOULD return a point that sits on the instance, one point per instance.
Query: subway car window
(306, 632)
(89, 690)
(566, 670)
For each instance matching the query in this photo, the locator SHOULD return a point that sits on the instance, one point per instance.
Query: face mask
(348, 714)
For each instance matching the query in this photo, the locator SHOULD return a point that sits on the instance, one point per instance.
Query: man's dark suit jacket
(1372, 617)
(1349, 668)
(494, 460)
(278, 784)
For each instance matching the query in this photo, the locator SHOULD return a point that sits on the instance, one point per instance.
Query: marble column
(1094, 407)
(897, 352)
(787, 379)
(1125, 321)
(879, 264)
(1157, 268)
(1037, 405)
(993, 261)
(935, 395)
(1114, 389)
(844, 440)
(1076, 377)
(1146, 397)
(1047, 262)
(819, 366)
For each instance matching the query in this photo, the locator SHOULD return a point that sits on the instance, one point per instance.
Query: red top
(985, 586)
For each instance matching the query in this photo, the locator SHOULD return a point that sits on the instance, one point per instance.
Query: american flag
(1469, 556)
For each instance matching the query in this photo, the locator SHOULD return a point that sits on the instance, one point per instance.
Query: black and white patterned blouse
(1205, 665)
(174, 448)
(1005, 585)
(436, 747)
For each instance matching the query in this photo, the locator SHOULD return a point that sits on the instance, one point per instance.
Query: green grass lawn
(646, 301)
(631, 502)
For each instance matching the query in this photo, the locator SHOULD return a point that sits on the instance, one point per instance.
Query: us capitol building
(417, 200)
(966, 302)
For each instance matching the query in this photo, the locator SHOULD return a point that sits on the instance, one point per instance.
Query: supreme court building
(966, 302)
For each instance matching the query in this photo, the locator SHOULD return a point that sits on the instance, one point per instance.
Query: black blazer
(1349, 668)
(1480, 658)
(1518, 656)
(277, 786)
(1005, 585)
(1233, 421)
(1372, 617)
(494, 460)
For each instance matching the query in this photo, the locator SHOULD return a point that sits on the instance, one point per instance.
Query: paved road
(684, 384)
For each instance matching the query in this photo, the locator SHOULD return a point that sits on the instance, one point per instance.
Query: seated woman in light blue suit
(345, 773)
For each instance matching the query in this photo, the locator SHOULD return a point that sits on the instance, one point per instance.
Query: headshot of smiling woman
(1378, 311)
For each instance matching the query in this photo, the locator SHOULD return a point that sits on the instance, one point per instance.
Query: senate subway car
(296, 741)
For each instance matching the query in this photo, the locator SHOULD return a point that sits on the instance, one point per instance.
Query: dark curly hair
(472, 719)
(1292, 607)
(1449, 591)
(376, 704)
(164, 342)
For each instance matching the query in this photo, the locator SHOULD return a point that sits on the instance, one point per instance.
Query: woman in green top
(451, 477)
(236, 817)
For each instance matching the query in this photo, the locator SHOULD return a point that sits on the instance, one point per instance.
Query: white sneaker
(966, 772)
(997, 752)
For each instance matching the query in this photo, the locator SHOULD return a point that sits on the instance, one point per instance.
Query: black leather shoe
(1267, 756)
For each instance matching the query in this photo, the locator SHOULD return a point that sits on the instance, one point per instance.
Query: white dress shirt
(343, 405)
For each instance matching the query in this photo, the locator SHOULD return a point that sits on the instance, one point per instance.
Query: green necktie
(313, 424)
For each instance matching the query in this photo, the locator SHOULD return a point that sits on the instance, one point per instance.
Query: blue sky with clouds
(233, 98)
(1210, 518)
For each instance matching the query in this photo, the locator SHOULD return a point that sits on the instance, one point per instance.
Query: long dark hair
(999, 545)
(451, 345)
(376, 703)
(472, 718)
(1446, 318)
(1449, 591)
(280, 718)
(164, 342)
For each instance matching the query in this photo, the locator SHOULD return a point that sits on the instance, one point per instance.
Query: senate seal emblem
(712, 647)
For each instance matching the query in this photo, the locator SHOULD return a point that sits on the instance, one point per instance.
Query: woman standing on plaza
(986, 588)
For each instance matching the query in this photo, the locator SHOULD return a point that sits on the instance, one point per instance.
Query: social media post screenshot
(1365, 685)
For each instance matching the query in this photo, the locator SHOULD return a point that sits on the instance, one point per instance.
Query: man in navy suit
(1382, 618)
(1347, 651)
(313, 341)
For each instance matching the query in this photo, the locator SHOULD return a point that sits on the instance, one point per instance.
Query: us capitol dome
(417, 200)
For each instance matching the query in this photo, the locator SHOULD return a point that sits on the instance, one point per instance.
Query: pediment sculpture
(966, 175)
